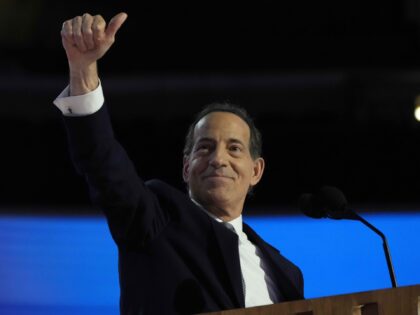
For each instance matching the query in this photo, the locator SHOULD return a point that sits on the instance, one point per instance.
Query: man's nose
(218, 158)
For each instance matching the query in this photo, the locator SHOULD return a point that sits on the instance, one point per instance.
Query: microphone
(330, 202)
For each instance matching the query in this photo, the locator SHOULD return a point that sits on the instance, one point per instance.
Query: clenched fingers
(98, 29)
(67, 33)
(84, 32)
(87, 32)
(78, 34)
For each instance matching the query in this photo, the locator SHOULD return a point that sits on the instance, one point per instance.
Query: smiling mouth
(217, 177)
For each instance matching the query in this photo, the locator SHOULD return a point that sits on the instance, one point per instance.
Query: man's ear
(186, 168)
(259, 165)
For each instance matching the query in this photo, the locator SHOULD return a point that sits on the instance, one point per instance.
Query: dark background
(331, 85)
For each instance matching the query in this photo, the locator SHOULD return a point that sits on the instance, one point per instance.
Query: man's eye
(202, 148)
(235, 148)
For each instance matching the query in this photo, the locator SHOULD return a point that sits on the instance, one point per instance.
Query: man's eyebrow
(230, 140)
(204, 139)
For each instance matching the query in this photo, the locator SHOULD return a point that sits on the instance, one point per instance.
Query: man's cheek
(198, 167)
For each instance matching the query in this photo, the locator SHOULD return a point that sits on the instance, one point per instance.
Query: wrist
(83, 79)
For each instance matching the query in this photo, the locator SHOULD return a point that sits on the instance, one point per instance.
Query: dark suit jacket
(173, 257)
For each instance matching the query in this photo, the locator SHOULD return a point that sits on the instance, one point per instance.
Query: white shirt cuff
(80, 105)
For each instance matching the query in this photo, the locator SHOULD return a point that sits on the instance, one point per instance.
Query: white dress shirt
(80, 105)
(259, 287)
(258, 284)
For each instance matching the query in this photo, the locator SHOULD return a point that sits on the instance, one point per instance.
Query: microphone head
(328, 202)
(334, 202)
(310, 205)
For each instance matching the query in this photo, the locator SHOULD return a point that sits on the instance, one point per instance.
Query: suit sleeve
(300, 285)
(132, 210)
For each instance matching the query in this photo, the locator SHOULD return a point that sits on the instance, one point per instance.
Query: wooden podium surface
(396, 301)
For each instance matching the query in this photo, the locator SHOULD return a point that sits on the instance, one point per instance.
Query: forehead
(222, 125)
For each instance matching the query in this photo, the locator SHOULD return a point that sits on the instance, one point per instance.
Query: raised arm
(132, 210)
(86, 39)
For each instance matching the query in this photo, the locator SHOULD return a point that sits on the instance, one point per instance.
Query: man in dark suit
(178, 253)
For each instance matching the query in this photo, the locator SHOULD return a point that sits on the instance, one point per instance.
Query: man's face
(220, 169)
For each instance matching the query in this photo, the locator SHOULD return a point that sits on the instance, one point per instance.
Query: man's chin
(219, 201)
(215, 197)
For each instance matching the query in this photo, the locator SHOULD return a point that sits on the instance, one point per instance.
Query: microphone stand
(354, 216)
(330, 202)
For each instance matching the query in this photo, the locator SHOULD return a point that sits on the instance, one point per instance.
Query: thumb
(115, 24)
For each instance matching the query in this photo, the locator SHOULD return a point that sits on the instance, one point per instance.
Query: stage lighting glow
(417, 112)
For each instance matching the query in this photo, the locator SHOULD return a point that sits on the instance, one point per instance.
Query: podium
(396, 301)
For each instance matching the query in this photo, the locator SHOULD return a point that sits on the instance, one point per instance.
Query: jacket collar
(279, 264)
(228, 244)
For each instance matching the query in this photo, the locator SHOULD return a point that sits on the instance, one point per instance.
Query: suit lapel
(281, 270)
(228, 243)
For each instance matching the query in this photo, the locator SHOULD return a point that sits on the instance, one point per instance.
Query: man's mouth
(221, 176)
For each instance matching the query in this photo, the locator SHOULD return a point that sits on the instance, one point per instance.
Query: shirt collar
(236, 223)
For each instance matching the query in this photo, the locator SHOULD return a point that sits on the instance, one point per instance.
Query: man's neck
(225, 216)
(217, 212)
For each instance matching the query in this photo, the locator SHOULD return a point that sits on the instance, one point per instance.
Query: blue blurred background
(68, 265)
(332, 85)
